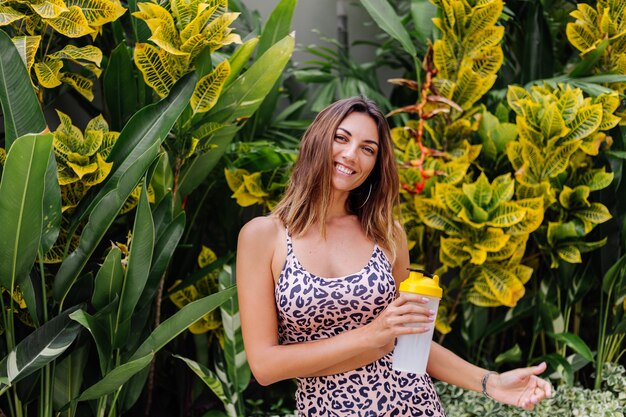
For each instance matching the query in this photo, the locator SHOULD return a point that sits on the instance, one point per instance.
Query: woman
(306, 313)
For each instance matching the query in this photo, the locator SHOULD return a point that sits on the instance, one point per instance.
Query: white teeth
(344, 170)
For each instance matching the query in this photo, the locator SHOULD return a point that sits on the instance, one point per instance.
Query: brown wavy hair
(308, 193)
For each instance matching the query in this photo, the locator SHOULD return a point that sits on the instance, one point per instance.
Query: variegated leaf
(208, 377)
(597, 213)
(100, 174)
(48, 9)
(209, 87)
(214, 31)
(435, 216)
(558, 160)
(552, 124)
(569, 254)
(453, 253)
(507, 288)
(155, 73)
(87, 53)
(71, 23)
(506, 215)
(479, 299)
(234, 353)
(97, 123)
(40, 347)
(166, 37)
(9, 15)
(48, 73)
(195, 26)
(98, 12)
(587, 120)
(575, 198)
(452, 197)
(27, 47)
(479, 192)
(514, 96)
(492, 240)
(569, 101)
(81, 84)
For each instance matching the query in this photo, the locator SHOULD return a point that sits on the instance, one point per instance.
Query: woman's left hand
(520, 387)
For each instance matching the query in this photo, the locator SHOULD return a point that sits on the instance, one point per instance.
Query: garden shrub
(609, 401)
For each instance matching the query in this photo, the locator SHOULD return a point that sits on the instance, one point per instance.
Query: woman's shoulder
(262, 229)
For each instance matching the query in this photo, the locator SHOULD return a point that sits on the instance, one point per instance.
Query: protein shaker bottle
(411, 351)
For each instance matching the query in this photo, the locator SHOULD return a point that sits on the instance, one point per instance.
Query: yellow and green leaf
(209, 87)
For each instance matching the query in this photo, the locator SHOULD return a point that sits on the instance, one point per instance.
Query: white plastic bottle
(411, 351)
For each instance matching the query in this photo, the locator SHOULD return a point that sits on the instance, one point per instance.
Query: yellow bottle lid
(419, 284)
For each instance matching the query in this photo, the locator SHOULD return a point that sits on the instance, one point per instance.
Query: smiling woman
(317, 284)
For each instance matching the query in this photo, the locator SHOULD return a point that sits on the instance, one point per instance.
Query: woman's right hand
(407, 309)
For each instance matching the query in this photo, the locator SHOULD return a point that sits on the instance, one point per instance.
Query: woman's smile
(344, 169)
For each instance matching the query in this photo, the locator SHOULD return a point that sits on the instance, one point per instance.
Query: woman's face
(355, 151)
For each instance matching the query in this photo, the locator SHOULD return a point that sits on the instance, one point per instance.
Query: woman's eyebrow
(345, 130)
(372, 141)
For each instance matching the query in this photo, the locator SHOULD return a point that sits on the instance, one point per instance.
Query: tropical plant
(35, 26)
(58, 300)
(554, 157)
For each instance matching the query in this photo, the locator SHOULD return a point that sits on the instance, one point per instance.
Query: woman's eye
(340, 138)
(369, 150)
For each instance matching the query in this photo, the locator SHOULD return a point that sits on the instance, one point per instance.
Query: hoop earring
(369, 192)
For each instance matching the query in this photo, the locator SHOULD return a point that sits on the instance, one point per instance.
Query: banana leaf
(22, 191)
(138, 269)
(20, 107)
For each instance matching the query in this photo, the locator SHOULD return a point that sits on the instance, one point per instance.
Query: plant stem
(44, 295)
(112, 410)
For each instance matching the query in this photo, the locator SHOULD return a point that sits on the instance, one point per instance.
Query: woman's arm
(520, 387)
(271, 362)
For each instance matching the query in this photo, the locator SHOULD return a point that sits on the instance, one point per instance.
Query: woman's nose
(348, 153)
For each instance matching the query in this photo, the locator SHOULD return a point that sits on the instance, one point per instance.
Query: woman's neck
(338, 206)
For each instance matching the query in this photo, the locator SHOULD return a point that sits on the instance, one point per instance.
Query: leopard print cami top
(312, 308)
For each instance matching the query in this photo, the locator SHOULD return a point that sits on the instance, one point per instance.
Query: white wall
(321, 15)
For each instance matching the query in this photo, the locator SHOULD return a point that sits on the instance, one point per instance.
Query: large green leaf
(577, 344)
(120, 87)
(40, 347)
(139, 261)
(21, 206)
(278, 25)
(180, 321)
(116, 378)
(387, 19)
(147, 127)
(20, 108)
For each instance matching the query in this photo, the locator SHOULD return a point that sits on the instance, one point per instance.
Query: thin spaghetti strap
(289, 244)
